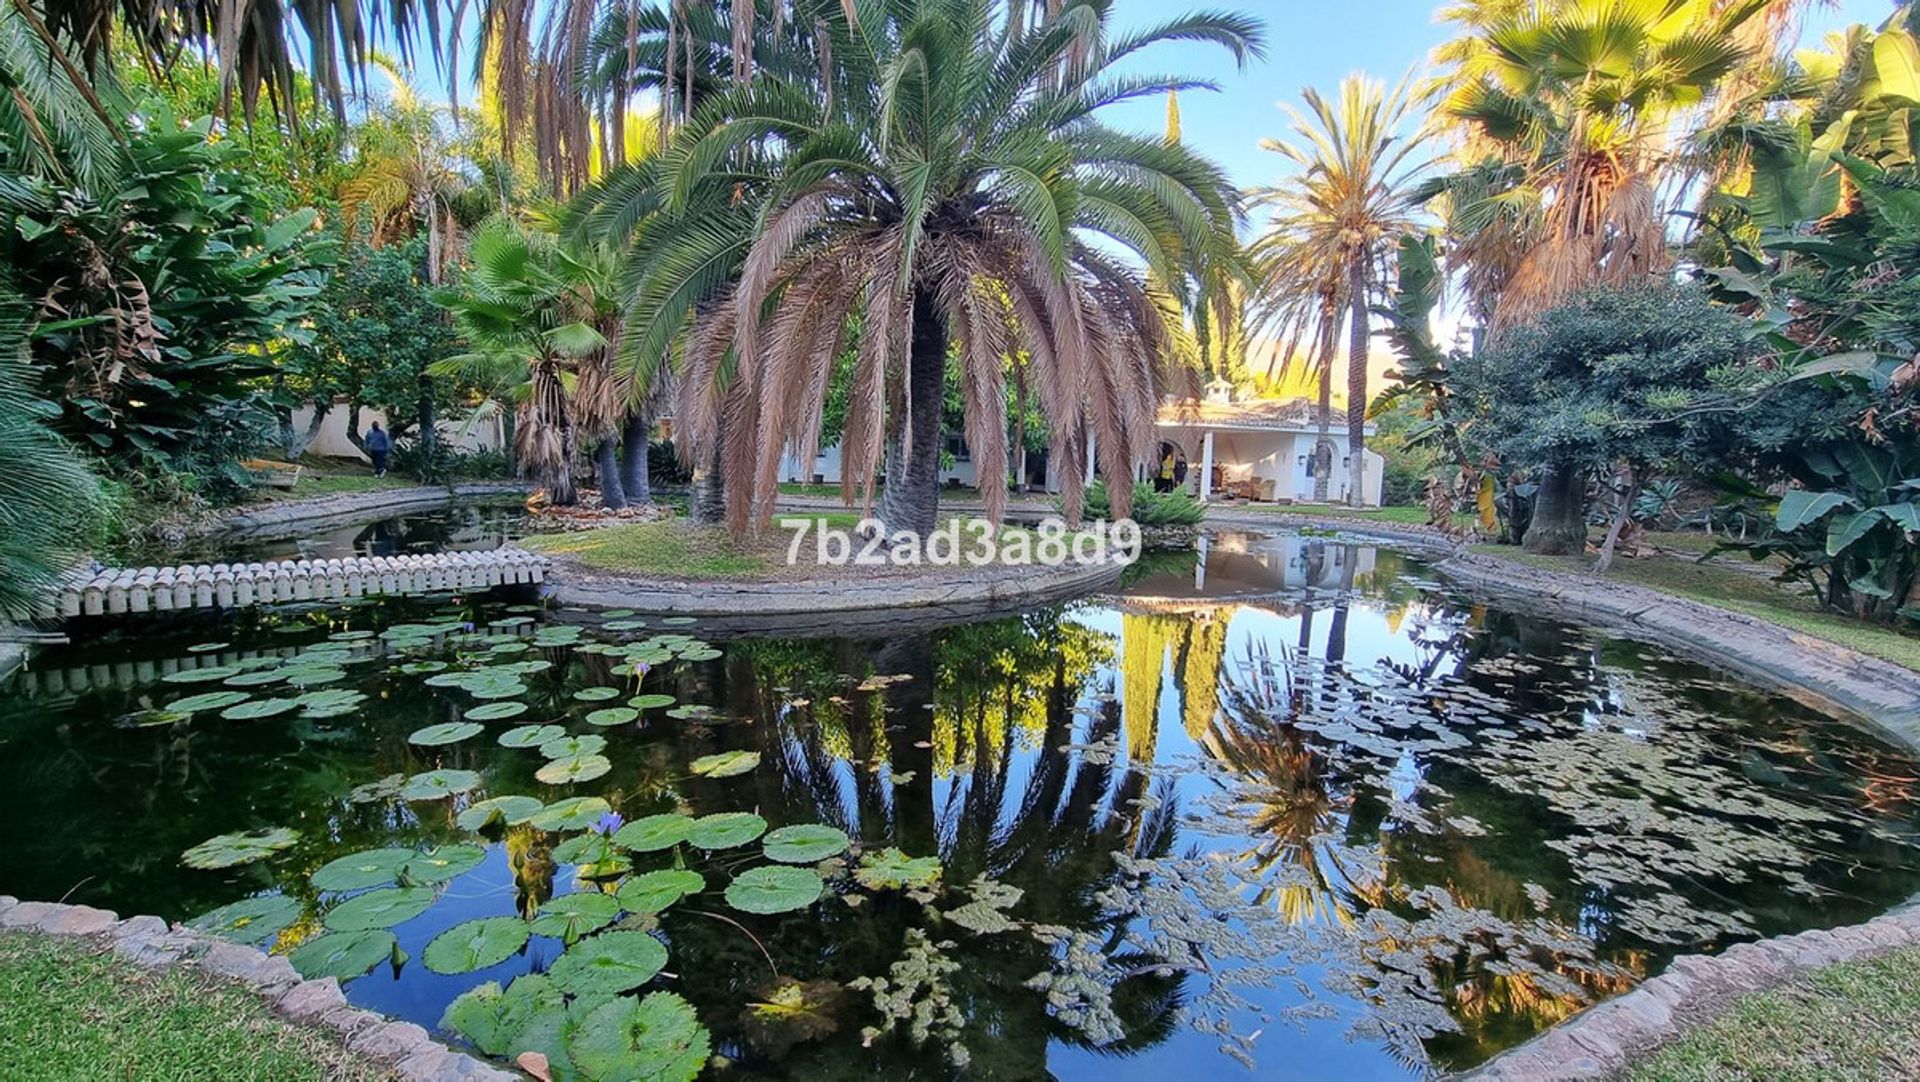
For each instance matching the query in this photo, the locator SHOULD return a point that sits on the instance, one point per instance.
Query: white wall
(331, 442)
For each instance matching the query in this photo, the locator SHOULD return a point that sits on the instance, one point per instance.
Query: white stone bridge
(113, 591)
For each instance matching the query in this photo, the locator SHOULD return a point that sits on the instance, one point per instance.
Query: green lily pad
(623, 625)
(202, 676)
(442, 862)
(571, 916)
(575, 813)
(374, 791)
(450, 679)
(650, 701)
(609, 716)
(309, 676)
(254, 679)
(496, 711)
(230, 850)
(678, 621)
(599, 693)
(609, 963)
(421, 668)
(207, 647)
(574, 769)
(512, 810)
(890, 869)
(476, 944)
(701, 653)
(654, 832)
(211, 700)
(439, 784)
(447, 732)
(691, 712)
(330, 703)
(343, 955)
(531, 736)
(726, 830)
(653, 892)
(497, 689)
(726, 764)
(805, 843)
(494, 1020)
(368, 868)
(250, 920)
(774, 889)
(656, 1039)
(258, 708)
(567, 747)
(379, 909)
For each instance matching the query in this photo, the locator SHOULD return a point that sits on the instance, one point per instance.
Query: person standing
(379, 446)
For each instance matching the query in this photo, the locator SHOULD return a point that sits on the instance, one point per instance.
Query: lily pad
(495, 1021)
(726, 764)
(368, 868)
(207, 647)
(250, 920)
(439, 784)
(891, 869)
(774, 889)
(805, 843)
(531, 736)
(609, 716)
(571, 916)
(253, 679)
(258, 708)
(496, 711)
(599, 693)
(384, 789)
(343, 955)
(653, 833)
(330, 703)
(211, 700)
(701, 653)
(442, 862)
(230, 850)
(512, 810)
(678, 621)
(575, 813)
(567, 747)
(591, 849)
(310, 676)
(609, 963)
(447, 732)
(726, 830)
(691, 712)
(656, 1039)
(476, 944)
(574, 769)
(652, 892)
(202, 676)
(379, 909)
(497, 689)
(650, 701)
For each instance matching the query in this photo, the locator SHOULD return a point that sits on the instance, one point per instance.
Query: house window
(957, 447)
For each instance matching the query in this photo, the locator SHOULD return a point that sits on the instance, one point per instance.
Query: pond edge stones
(1604, 1039)
(403, 1047)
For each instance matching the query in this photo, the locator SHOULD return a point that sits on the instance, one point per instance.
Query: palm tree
(407, 177)
(48, 496)
(950, 195)
(1299, 304)
(529, 309)
(1338, 219)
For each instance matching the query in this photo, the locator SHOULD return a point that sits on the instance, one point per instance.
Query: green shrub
(1150, 508)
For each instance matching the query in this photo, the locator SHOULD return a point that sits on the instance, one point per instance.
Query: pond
(1285, 807)
(461, 528)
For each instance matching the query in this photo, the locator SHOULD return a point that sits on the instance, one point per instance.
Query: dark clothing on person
(379, 446)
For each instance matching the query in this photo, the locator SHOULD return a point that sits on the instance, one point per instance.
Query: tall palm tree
(1338, 218)
(527, 307)
(407, 176)
(950, 195)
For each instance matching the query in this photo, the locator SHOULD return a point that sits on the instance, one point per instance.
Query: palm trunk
(710, 495)
(634, 478)
(1559, 525)
(912, 498)
(1323, 445)
(1357, 385)
(606, 463)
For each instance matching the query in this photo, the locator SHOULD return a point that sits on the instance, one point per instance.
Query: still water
(1283, 807)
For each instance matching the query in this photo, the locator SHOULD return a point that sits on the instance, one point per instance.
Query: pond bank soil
(137, 998)
(1606, 1041)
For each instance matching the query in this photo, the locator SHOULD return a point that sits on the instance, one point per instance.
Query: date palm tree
(1336, 221)
(951, 197)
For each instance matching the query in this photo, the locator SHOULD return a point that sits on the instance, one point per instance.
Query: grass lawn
(70, 1009)
(1860, 1020)
(1415, 516)
(1743, 591)
(333, 478)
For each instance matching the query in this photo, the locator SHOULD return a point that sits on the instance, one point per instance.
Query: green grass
(1745, 591)
(70, 1009)
(1858, 1020)
(1415, 516)
(672, 547)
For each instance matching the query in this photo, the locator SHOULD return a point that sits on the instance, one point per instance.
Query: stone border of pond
(260, 520)
(404, 1047)
(1603, 1040)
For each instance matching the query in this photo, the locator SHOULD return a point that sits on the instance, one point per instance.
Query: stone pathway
(403, 1047)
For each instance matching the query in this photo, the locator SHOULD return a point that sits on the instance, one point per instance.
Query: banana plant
(1858, 541)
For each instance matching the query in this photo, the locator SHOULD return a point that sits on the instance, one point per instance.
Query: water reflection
(1276, 796)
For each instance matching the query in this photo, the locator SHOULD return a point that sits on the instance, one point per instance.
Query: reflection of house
(1261, 449)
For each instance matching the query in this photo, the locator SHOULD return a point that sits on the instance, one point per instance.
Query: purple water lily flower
(608, 823)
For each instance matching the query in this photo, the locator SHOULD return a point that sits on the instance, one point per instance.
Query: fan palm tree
(1337, 220)
(950, 195)
(529, 309)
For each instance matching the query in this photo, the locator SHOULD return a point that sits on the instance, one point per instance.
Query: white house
(1262, 449)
